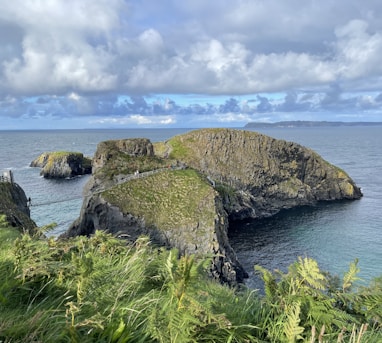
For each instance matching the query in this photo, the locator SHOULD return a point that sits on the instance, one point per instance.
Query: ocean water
(333, 233)
(59, 201)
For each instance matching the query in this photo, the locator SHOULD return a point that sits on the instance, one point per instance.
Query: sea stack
(62, 164)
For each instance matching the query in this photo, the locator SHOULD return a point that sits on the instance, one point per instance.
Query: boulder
(62, 164)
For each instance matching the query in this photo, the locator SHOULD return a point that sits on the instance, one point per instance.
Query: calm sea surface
(332, 233)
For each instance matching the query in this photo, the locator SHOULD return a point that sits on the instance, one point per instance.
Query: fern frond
(292, 329)
(309, 272)
(350, 276)
(270, 283)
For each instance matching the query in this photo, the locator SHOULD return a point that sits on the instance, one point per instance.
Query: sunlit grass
(101, 289)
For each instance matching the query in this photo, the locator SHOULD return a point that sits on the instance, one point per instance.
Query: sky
(194, 63)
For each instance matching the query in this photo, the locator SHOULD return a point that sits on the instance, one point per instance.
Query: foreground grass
(101, 289)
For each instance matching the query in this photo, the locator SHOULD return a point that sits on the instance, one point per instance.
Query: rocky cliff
(137, 188)
(259, 175)
(62, 164)
(14, 205)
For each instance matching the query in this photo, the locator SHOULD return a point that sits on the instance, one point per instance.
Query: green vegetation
(122, 163)
(48, 157)
(179, 197)
(59, 154)
(100, 289)
(179, 150)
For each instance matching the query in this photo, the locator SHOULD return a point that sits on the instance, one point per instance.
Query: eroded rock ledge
(140, 188)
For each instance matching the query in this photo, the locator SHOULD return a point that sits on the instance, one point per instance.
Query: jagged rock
(234, 175)
(61, 164)
(14, 205)
(113, 149)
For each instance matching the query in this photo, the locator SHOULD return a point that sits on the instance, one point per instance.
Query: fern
(292, 329)
(309, 273)
(350, 276)
(99, 289)
(270, 283)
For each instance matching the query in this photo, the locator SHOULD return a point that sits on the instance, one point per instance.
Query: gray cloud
(79, 58)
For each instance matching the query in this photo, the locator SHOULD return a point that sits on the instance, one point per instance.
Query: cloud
(58, 46)
(109, 57)
(135, 120)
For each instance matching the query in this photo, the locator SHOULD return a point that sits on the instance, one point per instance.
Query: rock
(14, 205)
(262, 175)
(61, 164)
(233, 175)
(176, 208)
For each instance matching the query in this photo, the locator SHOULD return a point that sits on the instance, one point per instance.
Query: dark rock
(14, 205)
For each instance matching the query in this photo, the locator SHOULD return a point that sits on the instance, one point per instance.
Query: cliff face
(62, 164)
(265, 174)
(231, 174)
(175, 207)
(14, 205)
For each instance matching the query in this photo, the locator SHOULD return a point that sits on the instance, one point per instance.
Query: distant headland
(307, 123)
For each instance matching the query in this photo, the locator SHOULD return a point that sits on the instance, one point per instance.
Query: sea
(333, 233)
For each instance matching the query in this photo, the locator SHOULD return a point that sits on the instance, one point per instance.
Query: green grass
(7, 237)
(168, 199)
(179, 151)
(125, 164)
(100, 289)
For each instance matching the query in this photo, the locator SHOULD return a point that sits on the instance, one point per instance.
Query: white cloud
(136, 120)
(95, 51)
(358, 51)
(63, 46)
(151, 41)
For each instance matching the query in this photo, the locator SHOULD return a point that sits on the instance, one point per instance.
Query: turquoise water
(332, 233)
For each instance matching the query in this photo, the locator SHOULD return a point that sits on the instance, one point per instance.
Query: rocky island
(184, 192)
(62, 164)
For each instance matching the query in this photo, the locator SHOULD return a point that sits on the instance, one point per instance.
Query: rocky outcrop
(176, 208)
(14, 205)
(259, 175)
(232, 175)
(62, 164)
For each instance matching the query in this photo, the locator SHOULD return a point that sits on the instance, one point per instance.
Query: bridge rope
(54, 202)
